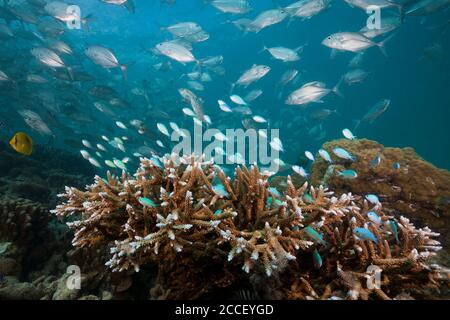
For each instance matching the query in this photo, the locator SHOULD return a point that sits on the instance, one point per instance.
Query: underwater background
(82, 118)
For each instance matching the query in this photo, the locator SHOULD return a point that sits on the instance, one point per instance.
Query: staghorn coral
(185, 215)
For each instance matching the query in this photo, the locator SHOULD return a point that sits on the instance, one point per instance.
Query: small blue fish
(269, 202)
(156, 162)
(374, 217)
(396, 166)
(348, 174)
(343, 154)
(146, 202)
(220, 190)
(310, 156)
(375, 161)
(325, 155)
(314, 235)
(317, 259)
(372, 199)
(217, 212)
(394, 230)
(308, 198)
(275, 191)
(365, 234)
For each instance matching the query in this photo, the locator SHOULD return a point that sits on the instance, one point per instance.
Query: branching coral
(187, 209)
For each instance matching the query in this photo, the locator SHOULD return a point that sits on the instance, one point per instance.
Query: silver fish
(105, 58)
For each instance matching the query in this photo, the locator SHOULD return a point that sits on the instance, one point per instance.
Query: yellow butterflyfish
(22, 143)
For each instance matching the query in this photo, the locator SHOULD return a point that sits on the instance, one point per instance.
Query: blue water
(418, 87)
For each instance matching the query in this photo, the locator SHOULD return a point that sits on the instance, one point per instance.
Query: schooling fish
(275, 191)
(348, 134)
(105, 58)
(372, 199)
(314, 235)
(396, 166)
(374, 217)
(22, 143)
(300, 170)
(110, 164)
(220, 190)
(317, 259)
(348, 174)
(259, 119)
(238, 100)
(119, 164)
(309, 155)
(365, 234)
(224, 107)
(325, 155)
(394, 230)
(375, 161)
(343, 154)
(308, 198)
(146, 202)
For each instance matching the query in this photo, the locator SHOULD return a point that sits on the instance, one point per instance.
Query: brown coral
(417, 189)
(186, 211)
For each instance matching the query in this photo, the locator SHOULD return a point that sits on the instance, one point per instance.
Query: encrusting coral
(185, 215)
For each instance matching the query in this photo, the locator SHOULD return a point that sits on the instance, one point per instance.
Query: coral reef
(404, 182)
(188, 218)
(34, 246)
(40, 177)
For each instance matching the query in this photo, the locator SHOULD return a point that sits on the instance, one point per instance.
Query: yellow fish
(22, 143)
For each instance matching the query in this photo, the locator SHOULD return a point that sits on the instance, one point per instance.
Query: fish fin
(233, 85)
(333, 53)
(263, 50)
(124, 69)
(130, 6)
(87, 20)
(336, 88)
(291, 19)
(300, 49)
(382, 44)
(70, 72)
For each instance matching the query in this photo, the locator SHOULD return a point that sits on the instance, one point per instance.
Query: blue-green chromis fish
(317, 259)
(394, 230)
(146, 202)
(348, 174)
(365, 234)
(314, 235)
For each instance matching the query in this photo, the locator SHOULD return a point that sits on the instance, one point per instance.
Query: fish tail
(382, 44)
(233, 85)
(336, 88)
(70, 72)
(87, 20)
(263, 50)
(124, 69)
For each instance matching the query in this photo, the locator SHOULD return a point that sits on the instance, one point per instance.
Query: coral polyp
(187, 209)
